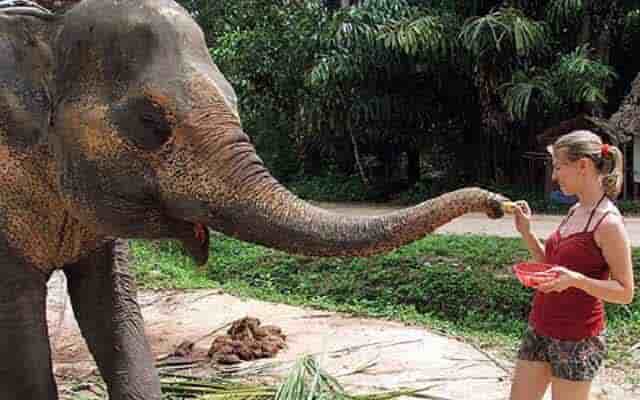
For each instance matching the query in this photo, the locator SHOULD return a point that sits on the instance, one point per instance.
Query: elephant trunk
(249, 204)
(274, 217)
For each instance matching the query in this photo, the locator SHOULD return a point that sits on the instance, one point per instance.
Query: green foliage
(330, 187)
(582, 79)
(524, 92)
(306, 379)
(503, 35)
(629, 207)
(632, 21)
(425, 35)
(564, 13)
(575, 79)
(163, 264)
(631, 35)
(376, 79)
(264, 49)
(386, 76)
(379, 37)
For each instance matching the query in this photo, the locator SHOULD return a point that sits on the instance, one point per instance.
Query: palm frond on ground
(306, 380)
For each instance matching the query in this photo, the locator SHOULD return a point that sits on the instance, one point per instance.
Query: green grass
(459, 285)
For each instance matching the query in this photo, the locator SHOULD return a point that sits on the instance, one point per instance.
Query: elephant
(115, 123)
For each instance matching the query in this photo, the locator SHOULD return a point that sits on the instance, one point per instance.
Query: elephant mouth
(195, 241)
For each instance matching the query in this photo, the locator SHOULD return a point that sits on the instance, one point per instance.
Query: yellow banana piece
(508, 207)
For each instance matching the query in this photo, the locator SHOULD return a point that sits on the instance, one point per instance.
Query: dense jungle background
(380, 98)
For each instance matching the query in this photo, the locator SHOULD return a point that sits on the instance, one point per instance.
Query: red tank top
(572, 314)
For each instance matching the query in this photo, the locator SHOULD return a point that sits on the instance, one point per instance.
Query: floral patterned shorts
(574, 361)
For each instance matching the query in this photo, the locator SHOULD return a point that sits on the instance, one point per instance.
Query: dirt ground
(404, 356)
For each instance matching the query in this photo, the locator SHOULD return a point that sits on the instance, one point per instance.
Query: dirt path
(413, 357)
(405, 356)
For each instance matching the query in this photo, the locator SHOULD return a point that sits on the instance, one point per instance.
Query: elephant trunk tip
(499, 205)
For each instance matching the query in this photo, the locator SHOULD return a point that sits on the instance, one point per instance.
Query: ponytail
(612, 170)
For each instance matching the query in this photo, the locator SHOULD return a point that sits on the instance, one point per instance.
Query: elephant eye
(157, 121)
(144, 121)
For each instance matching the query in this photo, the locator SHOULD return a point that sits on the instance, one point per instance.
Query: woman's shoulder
(608, 214)
(609, 222)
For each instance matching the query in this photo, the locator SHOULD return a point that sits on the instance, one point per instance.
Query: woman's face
(568, 174)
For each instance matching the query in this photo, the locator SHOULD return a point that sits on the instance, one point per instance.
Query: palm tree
(562, 91)
(497, 43)
(601, 27)
(370, 86)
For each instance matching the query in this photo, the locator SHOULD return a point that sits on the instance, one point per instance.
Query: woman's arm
(613, 239)
(535, 247)
(522, 219)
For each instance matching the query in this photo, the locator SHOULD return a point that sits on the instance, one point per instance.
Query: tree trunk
(312, 161)
(467, 154)
(356, 155)
(602, 23)
(345, 160)
(495, 122)
(413, 166)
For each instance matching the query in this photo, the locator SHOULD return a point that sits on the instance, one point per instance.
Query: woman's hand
(557, 279)
(522, 217)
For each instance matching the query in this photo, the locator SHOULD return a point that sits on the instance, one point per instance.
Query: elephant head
(146, 142)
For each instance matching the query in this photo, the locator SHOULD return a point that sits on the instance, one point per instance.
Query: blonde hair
(586, 144)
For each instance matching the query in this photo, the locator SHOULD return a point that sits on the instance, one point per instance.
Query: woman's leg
(574, 365)
(562, 389)
(530, 380)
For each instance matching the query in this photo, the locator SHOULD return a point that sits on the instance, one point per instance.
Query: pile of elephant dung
(246, 340)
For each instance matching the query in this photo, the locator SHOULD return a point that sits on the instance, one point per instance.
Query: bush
(331, 187)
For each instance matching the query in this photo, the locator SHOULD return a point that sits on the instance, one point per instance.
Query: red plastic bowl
(528, 271)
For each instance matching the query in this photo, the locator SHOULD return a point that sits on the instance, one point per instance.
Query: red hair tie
(605, 151)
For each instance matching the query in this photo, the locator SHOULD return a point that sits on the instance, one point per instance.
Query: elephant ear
(25, 76)
(110, 50)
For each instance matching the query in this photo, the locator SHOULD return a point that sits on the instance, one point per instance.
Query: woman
(564, 345)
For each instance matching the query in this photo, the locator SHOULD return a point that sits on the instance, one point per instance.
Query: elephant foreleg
(25, 356)
(102, 292)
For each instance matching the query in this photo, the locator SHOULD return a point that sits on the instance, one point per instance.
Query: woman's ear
(584, 164)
